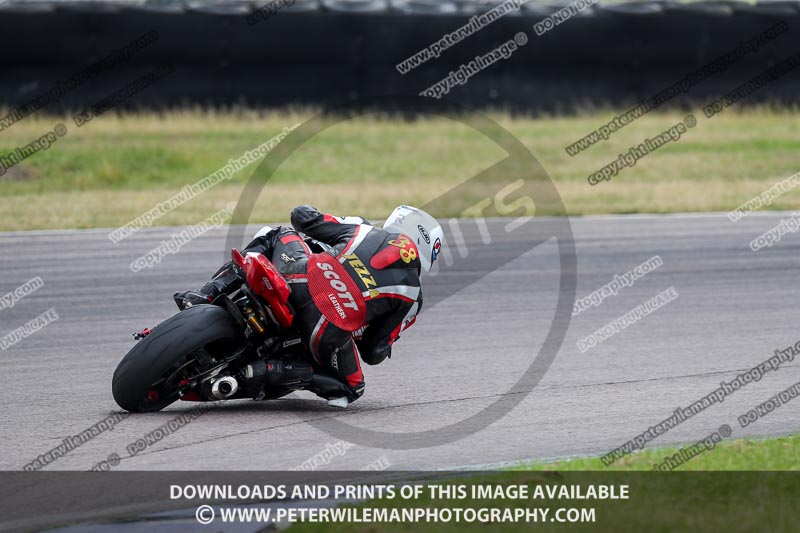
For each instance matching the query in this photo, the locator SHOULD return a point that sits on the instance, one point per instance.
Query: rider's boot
(187, 299)
(297, 376)
(262, 375)
(223, 281)
(334, 390)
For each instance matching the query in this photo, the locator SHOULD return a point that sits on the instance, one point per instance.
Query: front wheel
(149, 377)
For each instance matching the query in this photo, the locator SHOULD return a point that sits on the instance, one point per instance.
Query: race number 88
(408, 252)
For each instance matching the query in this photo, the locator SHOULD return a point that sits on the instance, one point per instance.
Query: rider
(354, 301)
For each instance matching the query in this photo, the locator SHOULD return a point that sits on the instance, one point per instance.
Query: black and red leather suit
(380, 271)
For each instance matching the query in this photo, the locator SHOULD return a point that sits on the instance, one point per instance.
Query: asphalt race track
(735, 307)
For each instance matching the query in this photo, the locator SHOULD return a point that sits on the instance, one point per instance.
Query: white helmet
(422, 228)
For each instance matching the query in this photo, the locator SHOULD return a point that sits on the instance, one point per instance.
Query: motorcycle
(201, 353)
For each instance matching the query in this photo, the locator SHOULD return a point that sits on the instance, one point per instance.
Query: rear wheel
(150, 376)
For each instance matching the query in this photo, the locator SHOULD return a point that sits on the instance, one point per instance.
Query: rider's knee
(376, 355)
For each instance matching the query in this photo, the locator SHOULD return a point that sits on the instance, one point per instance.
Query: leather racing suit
(349, 304)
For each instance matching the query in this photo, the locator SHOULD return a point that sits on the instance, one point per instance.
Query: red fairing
(265, 280)
(237, 257)
(335, 293)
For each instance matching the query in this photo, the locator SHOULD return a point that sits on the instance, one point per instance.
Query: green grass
(732, 500)
(781, 453)
(716, 501)
(117, 167)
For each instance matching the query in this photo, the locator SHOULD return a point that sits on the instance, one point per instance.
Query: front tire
(139, 383)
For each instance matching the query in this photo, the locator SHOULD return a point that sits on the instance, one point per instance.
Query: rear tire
(168, 346)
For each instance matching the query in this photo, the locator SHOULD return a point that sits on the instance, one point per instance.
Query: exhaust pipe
(224, 387)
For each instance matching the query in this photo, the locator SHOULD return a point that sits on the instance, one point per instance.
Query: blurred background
(158, 94)
(312, 52)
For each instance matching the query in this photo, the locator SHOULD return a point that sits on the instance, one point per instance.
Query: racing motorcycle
(201, 353)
